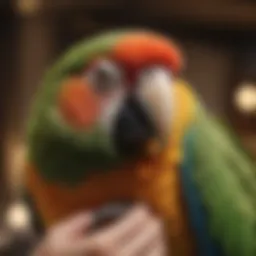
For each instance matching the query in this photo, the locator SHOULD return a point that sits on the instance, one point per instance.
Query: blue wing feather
(197, 214)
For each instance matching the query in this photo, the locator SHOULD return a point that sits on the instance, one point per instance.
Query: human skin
(137, 233)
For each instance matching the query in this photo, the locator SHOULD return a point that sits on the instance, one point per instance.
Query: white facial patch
(155, 91)
(110, 110)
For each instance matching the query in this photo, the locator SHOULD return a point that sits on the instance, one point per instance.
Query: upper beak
(158, 100)
(143, 123)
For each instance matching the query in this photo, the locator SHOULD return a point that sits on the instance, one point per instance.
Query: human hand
(137, 233)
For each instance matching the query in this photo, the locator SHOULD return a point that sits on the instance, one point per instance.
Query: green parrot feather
(226, 180)
(46, 131)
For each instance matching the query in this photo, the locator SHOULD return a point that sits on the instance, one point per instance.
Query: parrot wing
(219, 183)
(197, 212)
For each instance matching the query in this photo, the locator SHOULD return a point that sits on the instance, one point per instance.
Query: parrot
(113, 120)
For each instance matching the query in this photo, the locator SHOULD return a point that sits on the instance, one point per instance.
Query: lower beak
(134, 128)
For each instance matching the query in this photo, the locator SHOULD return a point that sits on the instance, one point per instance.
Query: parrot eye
(105, 76)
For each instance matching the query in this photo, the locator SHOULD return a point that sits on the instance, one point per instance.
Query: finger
(158, 247)
(105, 240)
(91, 246)
(122, 228)
(159, 250)
(75, 224)
(147, 237)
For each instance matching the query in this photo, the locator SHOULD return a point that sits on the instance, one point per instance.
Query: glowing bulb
(18, 216)
(245, 98)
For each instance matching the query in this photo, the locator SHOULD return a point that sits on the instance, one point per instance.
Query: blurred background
(217, 36)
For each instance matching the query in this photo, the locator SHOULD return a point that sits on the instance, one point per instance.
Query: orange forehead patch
(138, 50)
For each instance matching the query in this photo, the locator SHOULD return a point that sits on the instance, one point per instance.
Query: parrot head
(106, 102)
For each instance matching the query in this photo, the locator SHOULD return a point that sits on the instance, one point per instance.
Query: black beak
(133, 128)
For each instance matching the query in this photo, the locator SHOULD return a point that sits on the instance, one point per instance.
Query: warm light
(18, 216)
(28, 7)
(245, 98)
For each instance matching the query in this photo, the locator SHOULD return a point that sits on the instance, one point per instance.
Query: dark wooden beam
(220, 14)
(191, 14)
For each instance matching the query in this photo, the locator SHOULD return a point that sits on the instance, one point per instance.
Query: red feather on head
(137, 51)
